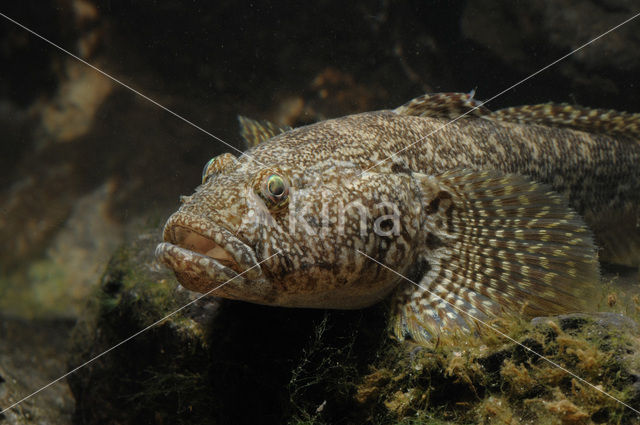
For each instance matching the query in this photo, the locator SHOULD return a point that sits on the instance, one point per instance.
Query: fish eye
(206, 171)
(276, 186)
(216, 165)
(275, 190)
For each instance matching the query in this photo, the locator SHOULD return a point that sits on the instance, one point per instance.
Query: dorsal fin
(255, 132)
(443, 105)
(606, 121)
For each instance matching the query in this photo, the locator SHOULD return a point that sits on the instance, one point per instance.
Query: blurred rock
(59, 284)
(71, 113)
(32, 354)
(530, 35)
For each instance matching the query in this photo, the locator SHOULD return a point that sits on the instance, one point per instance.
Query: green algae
(484, 380)
(38, 292)
(148, 375)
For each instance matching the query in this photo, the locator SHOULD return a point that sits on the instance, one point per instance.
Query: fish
(454, 213)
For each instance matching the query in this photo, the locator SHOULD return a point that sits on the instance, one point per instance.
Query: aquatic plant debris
(490, 215)
(490, 382)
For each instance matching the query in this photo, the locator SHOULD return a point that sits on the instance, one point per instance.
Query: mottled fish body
(486, 214)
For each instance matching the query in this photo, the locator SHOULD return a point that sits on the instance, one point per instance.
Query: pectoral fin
(496, 244)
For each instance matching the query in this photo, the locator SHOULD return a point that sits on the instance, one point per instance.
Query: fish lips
(203, 254)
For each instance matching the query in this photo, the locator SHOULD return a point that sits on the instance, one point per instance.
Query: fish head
(286, 235)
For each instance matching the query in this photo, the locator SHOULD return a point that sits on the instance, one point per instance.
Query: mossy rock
(490, 379)
(220, 361)
(32, 354)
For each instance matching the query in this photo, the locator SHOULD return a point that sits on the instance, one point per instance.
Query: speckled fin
(443, 105)
(255, 132)
(605, 121)
(497, 244)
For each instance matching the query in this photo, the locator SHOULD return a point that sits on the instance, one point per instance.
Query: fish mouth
(203, 254)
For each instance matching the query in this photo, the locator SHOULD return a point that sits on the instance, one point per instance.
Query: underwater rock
(59, 284)
(50, 99)
(490, 379)
(540, 32)
(32, 354)
(133, 293)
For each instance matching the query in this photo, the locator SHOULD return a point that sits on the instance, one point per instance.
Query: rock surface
(523, 33)
(31, 356)
(493, 379)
